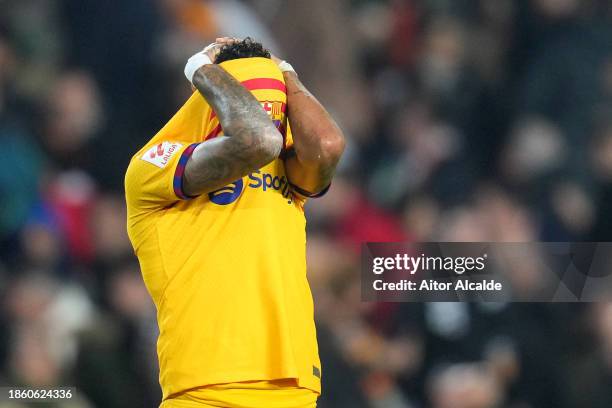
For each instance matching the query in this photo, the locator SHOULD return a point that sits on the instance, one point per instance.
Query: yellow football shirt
(226, 270)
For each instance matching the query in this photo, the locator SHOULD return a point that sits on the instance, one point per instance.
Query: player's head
(246, 48)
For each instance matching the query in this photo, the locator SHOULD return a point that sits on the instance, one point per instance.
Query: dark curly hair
(246, 48)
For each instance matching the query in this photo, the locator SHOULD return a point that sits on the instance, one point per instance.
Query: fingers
(211, 46)
(226, 40)
(220, 42)
(213, 52)
(213, 49)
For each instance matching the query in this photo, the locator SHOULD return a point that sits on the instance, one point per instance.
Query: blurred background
(467, 120)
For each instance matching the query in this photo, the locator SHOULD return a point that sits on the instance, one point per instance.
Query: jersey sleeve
(154, 177)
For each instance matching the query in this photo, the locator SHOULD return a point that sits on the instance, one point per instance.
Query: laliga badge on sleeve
(160, 154)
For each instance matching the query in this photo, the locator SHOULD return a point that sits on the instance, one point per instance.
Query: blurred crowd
(467, 120)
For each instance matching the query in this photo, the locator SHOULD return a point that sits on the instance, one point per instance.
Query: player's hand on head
(220, 42)
(213, 49)
(227, 40)
(206, 56)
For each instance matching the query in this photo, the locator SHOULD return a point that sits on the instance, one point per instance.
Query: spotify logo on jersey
(227, 194)
(259, 181)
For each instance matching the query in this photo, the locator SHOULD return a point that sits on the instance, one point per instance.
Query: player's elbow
(268, 146)
(332, 147)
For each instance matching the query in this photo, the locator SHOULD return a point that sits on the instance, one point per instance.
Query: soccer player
(216, 217)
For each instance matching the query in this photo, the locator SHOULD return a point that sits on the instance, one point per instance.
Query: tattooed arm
(318, 142)
(251, 140)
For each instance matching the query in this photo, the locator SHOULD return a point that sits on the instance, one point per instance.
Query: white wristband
(284, 66)
(195, 62)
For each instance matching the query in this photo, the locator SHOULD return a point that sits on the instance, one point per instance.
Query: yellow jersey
(253, 394)
(226, 270)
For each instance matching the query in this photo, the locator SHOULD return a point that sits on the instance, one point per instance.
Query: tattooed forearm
(318, 143)
(251, 140)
